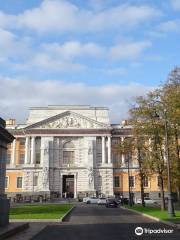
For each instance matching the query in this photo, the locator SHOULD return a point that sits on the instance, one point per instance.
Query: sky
(93, 52)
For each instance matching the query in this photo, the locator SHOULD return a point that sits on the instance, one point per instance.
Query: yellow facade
(13, 175)
(12, 181)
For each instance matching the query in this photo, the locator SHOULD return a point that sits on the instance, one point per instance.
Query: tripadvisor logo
(139, 231)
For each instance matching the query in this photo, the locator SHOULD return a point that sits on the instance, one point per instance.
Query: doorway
(68, 186)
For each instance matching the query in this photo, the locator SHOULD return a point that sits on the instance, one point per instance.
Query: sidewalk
(29, 233)
(12, 228)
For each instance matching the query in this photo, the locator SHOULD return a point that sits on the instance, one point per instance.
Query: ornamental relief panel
(70, 122)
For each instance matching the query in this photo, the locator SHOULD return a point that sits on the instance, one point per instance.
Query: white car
(92, 200)
(85, 199)
(147, 200)
(102, 201)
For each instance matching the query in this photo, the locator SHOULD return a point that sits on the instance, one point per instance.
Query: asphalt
(93, 222)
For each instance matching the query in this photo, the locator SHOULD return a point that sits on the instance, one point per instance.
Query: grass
(156, 212)
(43, 211)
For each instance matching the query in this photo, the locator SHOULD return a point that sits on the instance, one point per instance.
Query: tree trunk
(142, 189)
(178, 165)
(163, 207)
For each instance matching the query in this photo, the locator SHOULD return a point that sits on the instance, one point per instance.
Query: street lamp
(170, 198)
(129, 186)
(166, 148)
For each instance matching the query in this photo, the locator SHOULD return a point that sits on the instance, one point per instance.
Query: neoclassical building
(67, 151)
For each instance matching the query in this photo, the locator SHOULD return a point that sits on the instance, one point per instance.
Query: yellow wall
(124, 183)
(12, 186)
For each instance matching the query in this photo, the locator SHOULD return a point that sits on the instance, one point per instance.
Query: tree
(145, 123)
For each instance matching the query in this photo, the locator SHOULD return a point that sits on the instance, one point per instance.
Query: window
(116, 140)
(8, 158)
(68, 145)
(131, 181)
(116, 181)
(68, 157)
(21, 158)
(38, 156)
(158, 181)
(68, 153)
(19, 182)
(98, 140)
(22, 141)
(6, 182)
(146, 195)
(146, 182)
(35, 181)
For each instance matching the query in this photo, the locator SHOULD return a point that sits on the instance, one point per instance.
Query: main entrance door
(68, 186)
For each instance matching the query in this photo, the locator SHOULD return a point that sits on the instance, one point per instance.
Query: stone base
(4, 211)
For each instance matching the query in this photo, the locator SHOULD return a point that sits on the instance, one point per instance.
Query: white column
(109, 149)
(75, 185)
(103, 150)
(32, 150)
(27, 150)
(13, 156)
(122, 155)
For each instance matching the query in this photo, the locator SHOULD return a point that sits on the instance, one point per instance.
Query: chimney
(124, 122)
(10, 122)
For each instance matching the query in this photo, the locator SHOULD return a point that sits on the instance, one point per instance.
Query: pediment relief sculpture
(70, 122)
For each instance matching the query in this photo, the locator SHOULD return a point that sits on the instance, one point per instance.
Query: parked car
(92, 200)
(124, 201)
(102, 201)
(147, 200)
(85, 199)
(111, 203)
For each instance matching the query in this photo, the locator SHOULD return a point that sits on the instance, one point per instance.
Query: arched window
(68, 145)
(68, 153)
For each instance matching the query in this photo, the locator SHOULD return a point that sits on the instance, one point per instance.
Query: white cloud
(169, 26)
(128, 50)
(12, 46)
(63, 16)
(176, 4)
(18, 95)
(73, 49)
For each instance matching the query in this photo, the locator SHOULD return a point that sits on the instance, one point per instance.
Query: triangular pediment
(69, 120)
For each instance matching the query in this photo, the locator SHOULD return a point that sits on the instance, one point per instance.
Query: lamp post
(129, 185)
(170, 198)
(166, 148)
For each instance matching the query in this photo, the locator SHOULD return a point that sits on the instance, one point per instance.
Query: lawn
(156, 212)
(39, 211)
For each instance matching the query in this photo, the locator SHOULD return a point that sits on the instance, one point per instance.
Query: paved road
(92, 222)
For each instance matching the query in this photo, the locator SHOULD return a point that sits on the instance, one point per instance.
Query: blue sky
(97, 52)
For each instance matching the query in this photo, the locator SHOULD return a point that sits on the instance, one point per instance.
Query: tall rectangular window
(21, 158)
(68, 157)
(132, 181)
(19, 182)
(6, 182)
(146, 181)
(38, 150)
(8, 161)
(22, 141)
(35, 180)
(158, 181)
(116, 181)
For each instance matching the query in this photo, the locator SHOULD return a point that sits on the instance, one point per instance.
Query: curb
(43, 220)
(153, 218)
(67, 214)
(14, 231)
